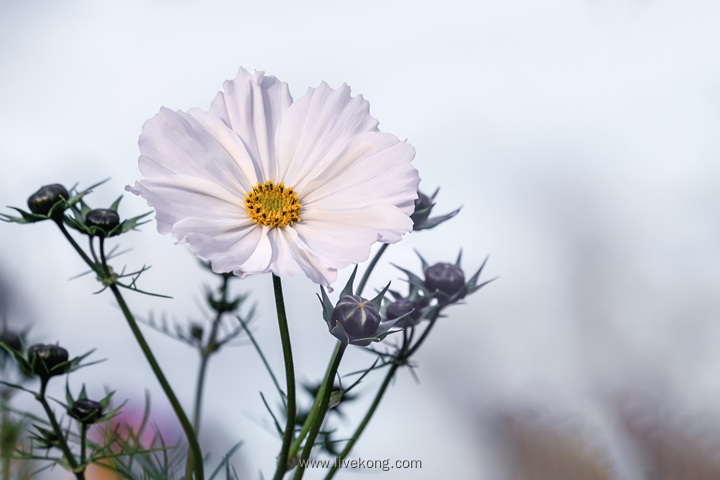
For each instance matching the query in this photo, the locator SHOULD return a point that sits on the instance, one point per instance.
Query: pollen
(273, 205)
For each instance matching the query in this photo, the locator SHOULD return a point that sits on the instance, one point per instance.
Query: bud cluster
(55, 202)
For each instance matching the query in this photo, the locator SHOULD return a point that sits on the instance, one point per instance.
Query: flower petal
(316, 129)
(289, 258)
(175, 143)
(240, 247)
(342, 237)
(375, 169)
(177, 197)
(252, 105)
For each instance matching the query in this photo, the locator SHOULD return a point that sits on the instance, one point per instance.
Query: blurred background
(580, 137)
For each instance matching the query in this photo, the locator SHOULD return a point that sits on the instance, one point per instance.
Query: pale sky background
(580, 137)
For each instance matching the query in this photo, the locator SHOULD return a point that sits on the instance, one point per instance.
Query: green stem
(366, 419)
(196, 458)
(282, 465)
(205, 354)
(325, 392)
(264, 360)
(424, 335)
(406, 351)
(40, 396)
(366, 275)
(400, 359)
(77, 248)
(6, 447)
(92, 250)
(83, 442)
(310, 420)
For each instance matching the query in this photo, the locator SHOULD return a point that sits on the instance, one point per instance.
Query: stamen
(273, 205)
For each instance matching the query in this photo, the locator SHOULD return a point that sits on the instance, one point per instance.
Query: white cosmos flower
(263, 184)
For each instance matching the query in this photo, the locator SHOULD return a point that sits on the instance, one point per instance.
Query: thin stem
(196, 458)
(309, 421)
(315, 410)
(325, 393)
(400, 359)
(83, 442)
(406, 351)
(264, 360)
(282, 464)
(205, 354)
(77, 248)
(103, 258)
(62, 444)
(424, 335)
(366, 275)
(92, 250)
(6, 448)
(366, 419)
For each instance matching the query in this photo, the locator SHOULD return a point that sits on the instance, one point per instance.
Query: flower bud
(445, 277)
(196, 331)
(86, 411)
(44, 358)
(422, 302)
(11, 339)
(357, 316)
(423, 202)
(42, 201)
(402, 307)
(103, 218)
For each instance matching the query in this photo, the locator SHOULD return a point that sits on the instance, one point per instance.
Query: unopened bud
(423, 202)
(86, 411)
(42, 201)
(401, 307)
(11, 339)
(103, 218)
(357, 316)
(445, 277)
(44, 358)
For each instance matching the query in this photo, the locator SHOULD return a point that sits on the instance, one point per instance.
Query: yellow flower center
(273, 205)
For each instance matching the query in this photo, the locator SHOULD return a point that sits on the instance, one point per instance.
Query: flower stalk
(371, 267)
(317, 416)
(206, 352)
(195, 459)
(78, 469)
(400, 359)
(104, 272)
(283, 458)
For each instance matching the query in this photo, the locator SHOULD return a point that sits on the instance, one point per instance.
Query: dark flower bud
(402, 307)
(196, 331)
(11, 339)
(42, 201)
(44, 358)
(445, 277)
(422, 302)
(357, 316)
(103, 218)
(422, 203)
(86, 411)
